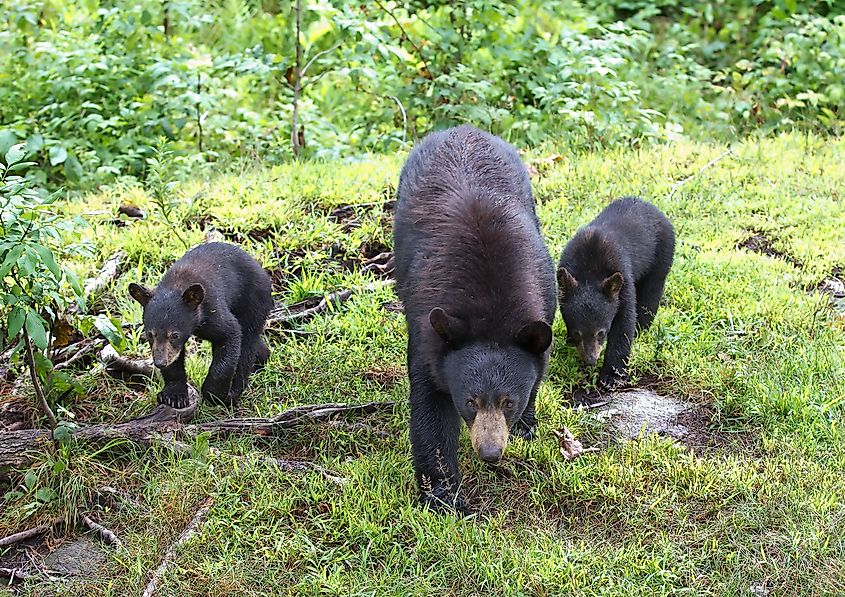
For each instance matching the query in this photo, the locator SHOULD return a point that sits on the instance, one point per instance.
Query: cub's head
(170, 318)
(490, 384)
(588, 310)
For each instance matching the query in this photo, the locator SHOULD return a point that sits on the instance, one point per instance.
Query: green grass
(741, 332)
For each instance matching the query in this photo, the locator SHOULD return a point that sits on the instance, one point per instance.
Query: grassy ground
(743, 333)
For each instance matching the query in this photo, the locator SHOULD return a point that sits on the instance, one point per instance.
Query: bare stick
(284, 314)
(107, 273)
(405, 34)
(706, 166)
(170, 555)
(108, 537)
(27, 534)
(317, 55)
(36, 383)
(14, 574)
(82, 349)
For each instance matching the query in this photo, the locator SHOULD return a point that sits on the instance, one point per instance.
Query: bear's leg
(649, 291)
(526, 427)
(614, 370)
(226, 353)
(434, 431)
(175, 391)
(250, 348)
(262, 355)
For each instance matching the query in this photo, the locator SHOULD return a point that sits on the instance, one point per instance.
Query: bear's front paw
(215, 393)
(442, 500)
(173, 398)
(612, 381)
(524, 430)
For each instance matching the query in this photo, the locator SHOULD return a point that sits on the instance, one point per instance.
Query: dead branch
(108, 536)
(28, 534)
(15, 574)
(170, 555)
(706, 166)
(81, 350)
(282, 314)
(165, 425)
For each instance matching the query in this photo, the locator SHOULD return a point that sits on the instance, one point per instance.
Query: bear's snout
(489, 434)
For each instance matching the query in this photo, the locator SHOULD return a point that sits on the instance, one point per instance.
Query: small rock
(80, 558)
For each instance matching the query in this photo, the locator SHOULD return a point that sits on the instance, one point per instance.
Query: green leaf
(34, 143)
(45, 494)
(73, 169)
(109, 331)
(29, 480)
(16, 320)
(58, 155)
(7, 139)
(11, 258)
(15, 154)
(36, 328)
(47, 258)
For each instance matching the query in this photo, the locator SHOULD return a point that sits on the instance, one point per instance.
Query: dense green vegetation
(728, 114)
(93, 86)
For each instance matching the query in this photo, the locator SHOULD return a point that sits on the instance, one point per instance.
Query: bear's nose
(490, 452)
(159, 363)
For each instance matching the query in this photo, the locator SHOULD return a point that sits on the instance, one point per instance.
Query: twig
(317, 55)
(284, 314)
(86, 347)
(404, 117)
(36, 384)
(408, 37)
(706, 166)
(15, 574)
(108, 537)
(592, 405)
(169, 556)
(27, 534)
(107, 273)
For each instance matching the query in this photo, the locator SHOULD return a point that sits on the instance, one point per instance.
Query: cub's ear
(451, 329)
(566, 283)
(612, 285)
(142, 294)
(193, 295)
(535, 337)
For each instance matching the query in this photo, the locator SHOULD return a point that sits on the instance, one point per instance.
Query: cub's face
(490, 387)
(170, 318)
(588, 311)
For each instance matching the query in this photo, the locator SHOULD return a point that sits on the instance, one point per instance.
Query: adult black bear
(610, 280)
(478, 284)
(216, 292)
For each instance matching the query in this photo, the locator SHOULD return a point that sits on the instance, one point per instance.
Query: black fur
(610, 280)
(478, 284)
(216, 292)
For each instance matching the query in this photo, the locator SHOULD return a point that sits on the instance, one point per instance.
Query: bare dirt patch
(758, 242)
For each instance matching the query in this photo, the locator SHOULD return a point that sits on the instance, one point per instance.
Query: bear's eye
(577, 335)
(174, 335)
(508, 404)
(150, 337)
(471, 403)
(600, 334)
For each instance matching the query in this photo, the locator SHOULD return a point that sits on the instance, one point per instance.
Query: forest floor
(733, 484)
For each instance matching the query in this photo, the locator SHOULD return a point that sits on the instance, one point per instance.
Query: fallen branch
(283, 314)
(28, 534)
(108, 537)
(165, 425)
(706, 166)
(82, 349)
(14, 574)
(170, 555)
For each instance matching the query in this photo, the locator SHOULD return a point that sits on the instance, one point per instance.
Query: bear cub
(610, 280)
(477, 282)
(216, 292)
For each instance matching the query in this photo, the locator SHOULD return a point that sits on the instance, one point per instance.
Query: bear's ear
(612, 285)
(566, 283)
(451, 329)
(142, 294)
(535, 337)
(193, 295)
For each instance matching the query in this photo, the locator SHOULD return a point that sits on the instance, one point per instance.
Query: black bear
(610, 280)
(216, 292)
(478, 285)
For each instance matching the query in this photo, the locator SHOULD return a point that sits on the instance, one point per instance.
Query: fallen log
(166, 424)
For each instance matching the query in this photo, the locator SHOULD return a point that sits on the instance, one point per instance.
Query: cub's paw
(612, 381)
(524, 430)
(216, 394)
(175, 398)
(442, 500)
